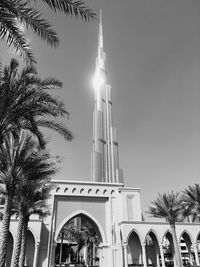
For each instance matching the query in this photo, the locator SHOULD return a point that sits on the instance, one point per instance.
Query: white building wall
(120, 211)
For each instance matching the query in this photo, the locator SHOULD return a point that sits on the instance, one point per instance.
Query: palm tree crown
(13, 12)
(25, 102)
(191, 202)
(20, 158)
(166, 206)
(31, 198)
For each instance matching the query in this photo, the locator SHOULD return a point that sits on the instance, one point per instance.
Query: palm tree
(31, 199)
(67, 234)
(17, 155)
(80, 238)
(14, 12)
(92, 241)
(25, 102)
(72, 234)
(191, 202)
(167, 206)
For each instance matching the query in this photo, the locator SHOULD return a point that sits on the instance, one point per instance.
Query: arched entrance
(9, 250)
(134, 249)
(168, 249)
(152, 250)
(30, 249)
(187, 253)
(197, 258)
(78, 242)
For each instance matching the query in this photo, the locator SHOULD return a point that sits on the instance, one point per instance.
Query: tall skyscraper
(105, 156)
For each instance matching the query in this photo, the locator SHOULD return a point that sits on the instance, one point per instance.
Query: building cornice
(156, 223)
(88, 183)
(129, 189)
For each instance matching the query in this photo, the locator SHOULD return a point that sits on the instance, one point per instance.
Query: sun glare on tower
(98, 79)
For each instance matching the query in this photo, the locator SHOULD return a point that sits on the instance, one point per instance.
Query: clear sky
(153, 58)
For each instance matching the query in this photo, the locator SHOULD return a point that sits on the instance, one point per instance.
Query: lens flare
(98, 79)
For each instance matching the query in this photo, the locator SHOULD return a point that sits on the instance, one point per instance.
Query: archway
(187, 252)
(134, 249)
(9, 250)
(30, 249)
(152, 250)
(78, 242)
(168, 249)
(197, 248)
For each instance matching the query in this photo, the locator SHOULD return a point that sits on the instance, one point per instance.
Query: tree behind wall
(168, 206)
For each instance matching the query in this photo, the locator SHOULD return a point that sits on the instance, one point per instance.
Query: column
(196, 254)
(100, 248)
(125, 245)
(104, 256)
(52, 257)
(190, 254)
(162, 255)
(36, 254)
(157, 256)
(144, 256)
(85, 255)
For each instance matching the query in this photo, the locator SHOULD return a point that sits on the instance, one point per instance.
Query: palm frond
(166, 206)
(13, 36)
(25, 103)
(32, 18)
(13, 12)
(191, 201)
(73, 8)
(58, 127)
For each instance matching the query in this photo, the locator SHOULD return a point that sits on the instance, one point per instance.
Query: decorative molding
(61, 182)
(157, 223)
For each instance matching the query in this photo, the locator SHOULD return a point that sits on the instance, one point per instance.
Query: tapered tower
(105, 157)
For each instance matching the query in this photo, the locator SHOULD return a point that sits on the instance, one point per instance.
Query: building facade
(124, 239)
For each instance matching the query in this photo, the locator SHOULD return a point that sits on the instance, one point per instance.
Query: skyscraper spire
(105, 159)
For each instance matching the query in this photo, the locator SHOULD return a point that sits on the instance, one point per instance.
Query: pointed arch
(152, 248)
(134, 249)
(154, 233)
(185, 232)
(137, 233)
(34, 233)
(197, 239)
(76, 213)
(168, 231)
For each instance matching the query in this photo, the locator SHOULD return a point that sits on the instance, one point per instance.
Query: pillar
(190, 254)
(85, 255)
(36, 254)
(196, 254)
(125, 245)
(180, 251)
(144, 256)
(162, 255)
(104, 255)
(100, 248)
(52, 258)
(157, 256)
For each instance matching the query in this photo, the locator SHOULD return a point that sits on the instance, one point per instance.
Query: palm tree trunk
(5, 230)
(23, 245)
(176, 247)
(17, 247)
